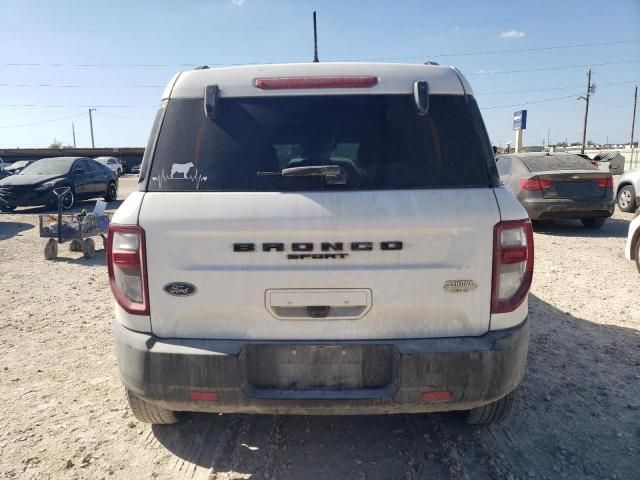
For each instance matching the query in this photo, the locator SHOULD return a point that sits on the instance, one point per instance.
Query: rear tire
(495, 412)
(593, 223)
(637, 247)
(149, 413)
(112, 192)
(627, 199)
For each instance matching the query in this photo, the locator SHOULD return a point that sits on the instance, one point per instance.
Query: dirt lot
(64, 415)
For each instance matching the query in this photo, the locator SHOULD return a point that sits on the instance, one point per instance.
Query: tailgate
(321, 265)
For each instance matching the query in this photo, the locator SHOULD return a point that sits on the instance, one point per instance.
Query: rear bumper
(548, 209)
(477, 370)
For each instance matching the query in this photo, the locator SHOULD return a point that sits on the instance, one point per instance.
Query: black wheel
(112, 192)
(51, 249)
(637, 247)
(495, 412)
(75, 245)
(149, 413)
(627, 199)
(593, 223)
(88, 248)
(69, 200)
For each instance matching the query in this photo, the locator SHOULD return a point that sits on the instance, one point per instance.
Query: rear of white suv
(320, 239)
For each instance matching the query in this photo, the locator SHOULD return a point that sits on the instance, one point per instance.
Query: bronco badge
(458, 286)
(180, 289)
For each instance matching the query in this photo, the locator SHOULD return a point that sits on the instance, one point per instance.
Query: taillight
(532, 184)
(606, 182)
(126, 262)
(512, 264)
(278, 83)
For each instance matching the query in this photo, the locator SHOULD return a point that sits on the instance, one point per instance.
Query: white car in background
(632, 249)
(111, 162)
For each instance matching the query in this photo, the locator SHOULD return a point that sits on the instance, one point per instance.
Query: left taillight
(606, 182)
(512, 265)
(126, 262)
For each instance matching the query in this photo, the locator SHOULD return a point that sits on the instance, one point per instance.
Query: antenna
(315, 39)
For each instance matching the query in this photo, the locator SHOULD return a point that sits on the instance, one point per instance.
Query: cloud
(511, 34)
(237, 2)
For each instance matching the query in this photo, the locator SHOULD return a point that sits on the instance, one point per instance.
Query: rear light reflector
(126, 262)
(606, 182)
(281, 83)
(204, 396)
(533, 184)
(512, 265)
(441, 396)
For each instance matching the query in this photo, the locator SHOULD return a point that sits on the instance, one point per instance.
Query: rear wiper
(334, 174)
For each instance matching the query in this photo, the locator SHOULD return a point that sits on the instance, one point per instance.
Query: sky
(60, 58)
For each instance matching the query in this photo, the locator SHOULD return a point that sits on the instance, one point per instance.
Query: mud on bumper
(373, 377)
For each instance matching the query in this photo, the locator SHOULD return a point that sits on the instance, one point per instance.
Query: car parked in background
(628, 191)
(632, 249)
(555, 186)
(135, 169)
(35, 184)
(112, 163)
(16, 167)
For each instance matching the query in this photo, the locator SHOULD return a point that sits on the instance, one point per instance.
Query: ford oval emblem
(180, 289)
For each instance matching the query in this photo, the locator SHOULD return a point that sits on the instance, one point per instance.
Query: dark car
(555, 186)
(17, 167)
(34, 185)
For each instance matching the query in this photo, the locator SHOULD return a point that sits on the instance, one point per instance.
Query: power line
(545, 100)
(568, 87)
(54, 85)
(500, 52)
(33, 105)
(543, 69)
(451, 54)
(42, 122)
(295, 28)
(123, 116)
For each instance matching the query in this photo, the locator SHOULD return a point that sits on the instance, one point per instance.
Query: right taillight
(605, 182)
(512, 264)
(126, 263)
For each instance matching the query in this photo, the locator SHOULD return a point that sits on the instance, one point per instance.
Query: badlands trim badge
(180, 289)
(459, 286)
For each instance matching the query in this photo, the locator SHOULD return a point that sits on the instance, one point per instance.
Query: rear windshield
(378, 141)
(556, 162)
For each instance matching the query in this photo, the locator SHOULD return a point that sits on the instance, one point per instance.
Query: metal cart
(78, 228)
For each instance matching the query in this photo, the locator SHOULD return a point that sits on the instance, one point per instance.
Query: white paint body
(634, 228)
(447, 234)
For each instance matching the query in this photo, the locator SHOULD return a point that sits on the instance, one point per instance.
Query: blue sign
(520, 120)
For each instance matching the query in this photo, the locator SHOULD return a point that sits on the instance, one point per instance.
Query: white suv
(327, 238)
(112, 163)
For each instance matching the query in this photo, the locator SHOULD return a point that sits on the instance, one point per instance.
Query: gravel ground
(64, 414)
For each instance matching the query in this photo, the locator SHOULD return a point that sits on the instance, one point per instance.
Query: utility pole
(590, 90)
(633, 120)
(73, 130)
(93, 145)
(548, 138)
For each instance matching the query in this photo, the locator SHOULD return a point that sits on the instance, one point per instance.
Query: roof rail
(431, 63)
(202, 67)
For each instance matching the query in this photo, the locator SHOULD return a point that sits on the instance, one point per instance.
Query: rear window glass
(378, 141)
(556, 162)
